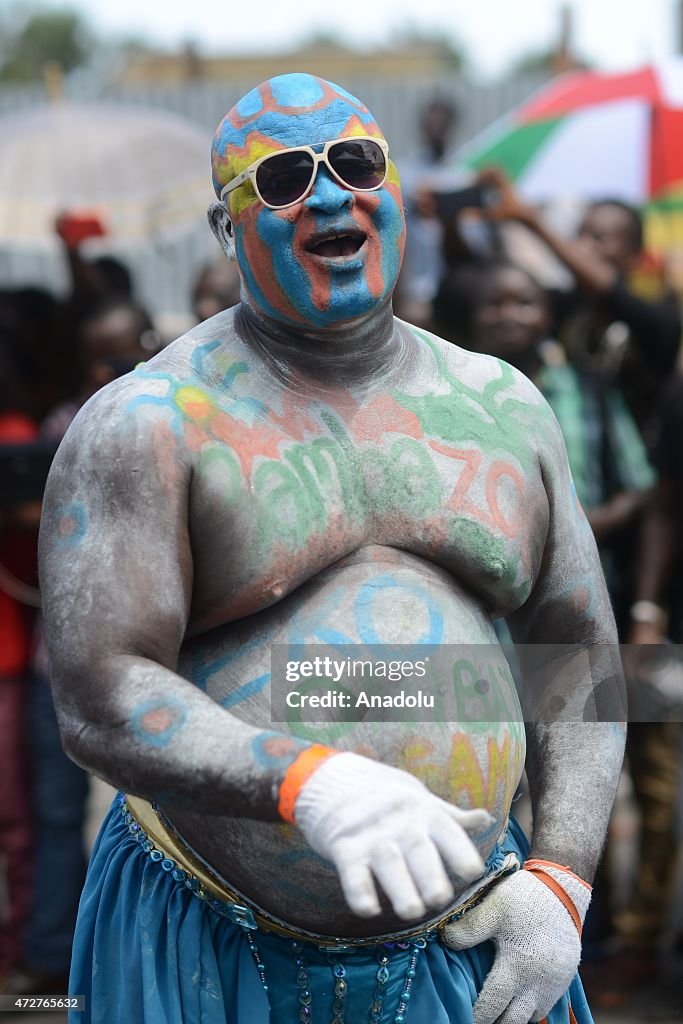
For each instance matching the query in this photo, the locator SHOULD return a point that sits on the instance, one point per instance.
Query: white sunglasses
(283, 179)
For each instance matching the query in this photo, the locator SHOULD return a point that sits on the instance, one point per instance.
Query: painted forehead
(289, 110)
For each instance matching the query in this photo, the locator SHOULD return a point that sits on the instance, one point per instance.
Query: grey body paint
(171, 572)
(255, 479)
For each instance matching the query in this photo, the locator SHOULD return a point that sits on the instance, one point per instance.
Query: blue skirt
(149, 951)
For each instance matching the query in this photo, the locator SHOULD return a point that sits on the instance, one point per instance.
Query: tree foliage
(33, 39)
(450, 50)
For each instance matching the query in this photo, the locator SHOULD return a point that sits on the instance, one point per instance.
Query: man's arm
(659, 539)
(620, 511)
(573, 766)
(569, 669)
(592, 273)
(656, 561)
(116, 577)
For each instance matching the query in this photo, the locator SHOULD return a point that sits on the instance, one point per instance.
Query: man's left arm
(573, 705)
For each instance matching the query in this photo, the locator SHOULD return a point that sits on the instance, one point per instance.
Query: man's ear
(221, 225)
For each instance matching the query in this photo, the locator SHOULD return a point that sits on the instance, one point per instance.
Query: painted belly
(378, 596)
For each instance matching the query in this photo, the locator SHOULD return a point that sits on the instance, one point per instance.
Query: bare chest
(278, 498)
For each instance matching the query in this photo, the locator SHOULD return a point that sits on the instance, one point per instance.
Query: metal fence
(164, 275)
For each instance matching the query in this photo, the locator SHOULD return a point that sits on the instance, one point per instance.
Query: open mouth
(331, 246)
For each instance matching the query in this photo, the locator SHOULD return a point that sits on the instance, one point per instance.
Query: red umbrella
(589, 135)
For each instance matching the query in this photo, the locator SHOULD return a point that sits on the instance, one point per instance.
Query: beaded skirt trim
(175, 857)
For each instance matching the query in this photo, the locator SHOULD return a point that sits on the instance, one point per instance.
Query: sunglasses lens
(359, 163)
(284, 177)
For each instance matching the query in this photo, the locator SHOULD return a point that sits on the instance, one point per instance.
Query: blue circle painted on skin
(72, 523)
(364, 619)
(272, 750)
(149, 734)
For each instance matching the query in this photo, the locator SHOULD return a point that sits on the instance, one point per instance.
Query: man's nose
(328, 196)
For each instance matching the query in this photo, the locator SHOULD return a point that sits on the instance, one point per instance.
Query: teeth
(339, 234)
(347, 243)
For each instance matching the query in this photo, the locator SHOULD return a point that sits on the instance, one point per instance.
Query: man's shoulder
(156, 389)
(481, 373)
(189, 354)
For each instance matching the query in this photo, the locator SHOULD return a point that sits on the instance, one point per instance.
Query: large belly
(378, 596)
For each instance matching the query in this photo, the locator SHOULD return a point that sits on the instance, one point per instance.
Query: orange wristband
(535, 862)
(536, 868)
(298, 774)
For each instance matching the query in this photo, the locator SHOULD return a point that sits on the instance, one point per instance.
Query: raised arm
(592, 272)
(656, 325)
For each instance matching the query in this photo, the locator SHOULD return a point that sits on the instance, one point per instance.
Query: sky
(610, 33)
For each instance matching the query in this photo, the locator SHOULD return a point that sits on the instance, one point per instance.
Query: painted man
(304, 468)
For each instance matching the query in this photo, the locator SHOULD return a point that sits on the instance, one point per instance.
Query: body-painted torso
(410, 509)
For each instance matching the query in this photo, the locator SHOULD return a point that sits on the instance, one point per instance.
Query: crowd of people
(603, 353)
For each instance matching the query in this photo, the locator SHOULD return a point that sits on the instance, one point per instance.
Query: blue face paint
(325, 291)
(336, 255)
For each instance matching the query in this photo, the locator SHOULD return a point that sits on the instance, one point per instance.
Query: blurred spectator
(94, 280)
(114, 339)
(439, 235)
(612, 475)
(32, 327)
(604, 323)
(104, 280)
(657, 616)
(217, 287)
(659, 611)
(18, 531)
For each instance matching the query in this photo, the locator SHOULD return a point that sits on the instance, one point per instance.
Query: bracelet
(535, 863)
(537, 868)
(648, 613)
(298, 774)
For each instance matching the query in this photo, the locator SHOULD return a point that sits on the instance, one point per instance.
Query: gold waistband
(207, 885)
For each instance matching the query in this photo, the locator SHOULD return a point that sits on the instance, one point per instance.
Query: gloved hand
(371, 819)
(536, 928)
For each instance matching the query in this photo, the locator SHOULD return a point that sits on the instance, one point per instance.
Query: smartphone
(448, 204)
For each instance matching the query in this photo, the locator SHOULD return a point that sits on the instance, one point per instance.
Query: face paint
(333, 257)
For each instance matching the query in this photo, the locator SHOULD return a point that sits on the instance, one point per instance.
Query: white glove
(371, 819)
(537, 939)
